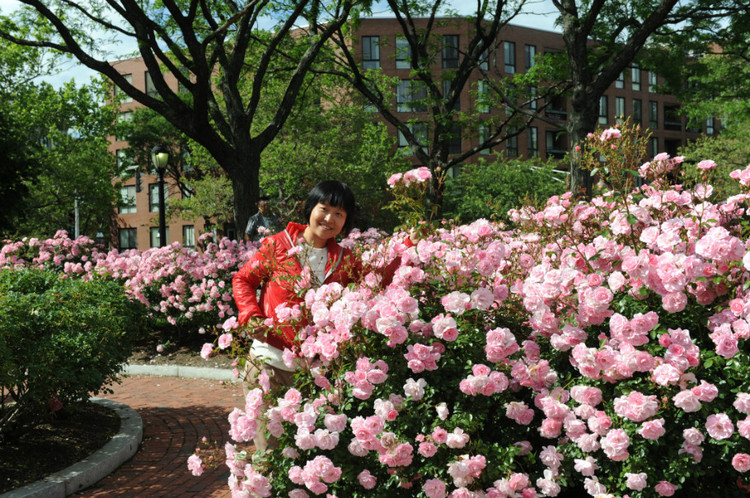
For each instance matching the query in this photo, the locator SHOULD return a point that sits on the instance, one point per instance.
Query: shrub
(61, 339)
(491, 189)
(600, 345)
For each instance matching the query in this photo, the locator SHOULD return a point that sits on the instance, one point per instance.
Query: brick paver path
(176, 413)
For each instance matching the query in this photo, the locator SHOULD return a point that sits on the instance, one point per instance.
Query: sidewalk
(176, 413)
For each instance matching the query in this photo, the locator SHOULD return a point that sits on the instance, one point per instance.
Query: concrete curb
(96, 466)
(181, 371)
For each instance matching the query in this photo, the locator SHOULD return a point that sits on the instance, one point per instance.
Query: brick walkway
(176, 413)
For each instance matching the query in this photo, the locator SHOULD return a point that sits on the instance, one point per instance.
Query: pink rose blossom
(665, 488)
(741, 462)
(636, 482)
(719, 426)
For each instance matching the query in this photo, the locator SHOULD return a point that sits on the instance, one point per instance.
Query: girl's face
(325, 223)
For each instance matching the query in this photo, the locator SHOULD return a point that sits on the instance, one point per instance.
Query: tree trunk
(581, 121)
(244, 173)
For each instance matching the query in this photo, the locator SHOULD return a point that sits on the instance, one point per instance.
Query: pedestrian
(276, 269)
(263, 222)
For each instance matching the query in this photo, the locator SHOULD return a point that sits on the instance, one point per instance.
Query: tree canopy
(210, 48)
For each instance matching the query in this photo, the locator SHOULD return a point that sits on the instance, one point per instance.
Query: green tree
(338, 141)
(489, 189)
(205, 46)
(67, 129)
(604, 37)
(433, 92)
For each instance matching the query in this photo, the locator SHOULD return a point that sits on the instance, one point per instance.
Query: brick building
(137, 221)
(633, 94)
(380, 46)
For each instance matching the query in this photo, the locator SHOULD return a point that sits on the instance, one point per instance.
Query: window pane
(122, 95)
(403, 53)
(154, 236)
(371, 52)
(450, 51)
(603, 111)
(128, 238)
(188, 235)
(530, 53)
(127, 199)
(636, 76)
(510, 57)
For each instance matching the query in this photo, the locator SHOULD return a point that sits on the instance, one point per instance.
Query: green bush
(490, 189)
(61, 340)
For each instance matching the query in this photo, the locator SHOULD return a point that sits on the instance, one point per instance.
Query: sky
(540, 15)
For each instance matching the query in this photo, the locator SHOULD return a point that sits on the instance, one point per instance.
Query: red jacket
(275, 272)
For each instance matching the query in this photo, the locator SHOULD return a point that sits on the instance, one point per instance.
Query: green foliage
(62, 340)
(67, 131)
(338, 141)
(730, 150)
(490, 189)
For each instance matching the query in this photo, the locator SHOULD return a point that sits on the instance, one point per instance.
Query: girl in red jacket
(306, 253)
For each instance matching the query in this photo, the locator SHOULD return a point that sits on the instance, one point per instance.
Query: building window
(653, 115)
(557, 108)
(620, 81)
(619, 109)
(484, 60)
(128, 238)
(154, 236)
(150, 88)
(370, 52)
(530, 54)
(127, 200)
(124, 164)
(403, 53)
(188, 236)
(419, 130)
(653, 80)
(654, 146)
(153, 197)
(484, 136)
(511, 144)
(533, 142)
(637, 111)
(123, 117)
(636, 76)
(483, 101)
(555, 144)
(603, 111)
(124, 97)
(454, 146)
(672, 118)
(450, 51)
(447, 91)
(411, 96)
(710, 126)
(510, 57)
(532, 98)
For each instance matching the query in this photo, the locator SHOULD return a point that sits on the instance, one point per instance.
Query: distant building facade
(137, 220)
(380, 46)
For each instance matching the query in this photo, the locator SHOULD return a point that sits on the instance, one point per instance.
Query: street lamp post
(160, 158)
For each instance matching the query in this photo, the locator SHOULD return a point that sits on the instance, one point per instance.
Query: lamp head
(160, 157)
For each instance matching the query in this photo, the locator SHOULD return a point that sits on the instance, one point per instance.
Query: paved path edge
(96, 466)
(180, 371)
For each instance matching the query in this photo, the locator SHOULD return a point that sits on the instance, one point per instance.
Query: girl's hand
(418, 233)
(256, 327)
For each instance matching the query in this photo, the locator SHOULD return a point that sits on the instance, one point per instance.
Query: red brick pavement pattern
(176, 413)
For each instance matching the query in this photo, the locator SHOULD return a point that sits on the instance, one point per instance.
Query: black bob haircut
(336, 194)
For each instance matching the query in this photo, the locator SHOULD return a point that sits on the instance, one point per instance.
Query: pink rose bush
(598, 346)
